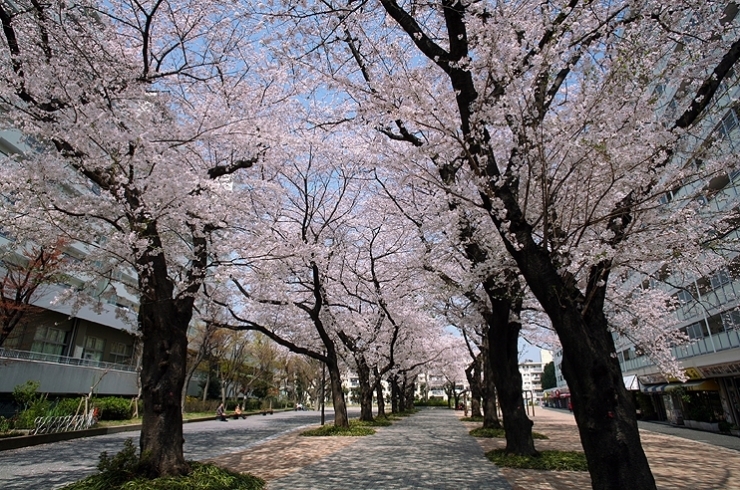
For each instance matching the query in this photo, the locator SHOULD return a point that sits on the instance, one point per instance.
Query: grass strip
(547, 460)
(202, 477)
(483, 432)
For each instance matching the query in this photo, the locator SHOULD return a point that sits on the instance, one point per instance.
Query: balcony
(710, 344)
(63, 375)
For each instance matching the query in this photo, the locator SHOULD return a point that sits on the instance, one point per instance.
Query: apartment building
(531, 372)
(708, 309)
(72, 351)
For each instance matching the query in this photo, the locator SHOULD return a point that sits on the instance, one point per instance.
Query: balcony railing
(57, 359)
(729, 339)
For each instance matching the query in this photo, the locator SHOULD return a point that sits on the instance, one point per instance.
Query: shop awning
(695, 385)
(631, 383)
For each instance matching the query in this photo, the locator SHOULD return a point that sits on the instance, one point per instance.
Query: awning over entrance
(631, 383)
(696, 385)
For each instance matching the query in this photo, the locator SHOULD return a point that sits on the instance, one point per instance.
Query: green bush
(126, 471)
(482, 432)
(547, 460)
(355, 429)
(25, 394)
(113, 408)
(377, 422)
(66, 406)
(37, 408)
(432, 402)
(477, 418)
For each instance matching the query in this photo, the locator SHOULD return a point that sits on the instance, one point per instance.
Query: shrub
(113, 408)
(477, 418)
(127, 471)
(66, 406)
(432, 402)
(547, 460)
(25, 394)
(354, 429)
(377, 422)
(483, 432)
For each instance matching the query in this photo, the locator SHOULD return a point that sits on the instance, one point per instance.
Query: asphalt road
(52, 465)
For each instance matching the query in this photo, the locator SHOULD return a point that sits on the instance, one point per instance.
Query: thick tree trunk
(410, 388)
(604, 412)
(394, 393)
(402, 395)
(337, 395)
(379, 395)
(490, 408)
(503, 339)
(603, 409)
(473, 373)
(366, 389)
(162, 377)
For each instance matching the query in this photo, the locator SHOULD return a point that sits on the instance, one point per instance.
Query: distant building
(531, 372)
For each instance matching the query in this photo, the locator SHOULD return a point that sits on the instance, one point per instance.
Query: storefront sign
(721, 369)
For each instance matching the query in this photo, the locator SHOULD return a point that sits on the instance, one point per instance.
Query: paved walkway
(430, 450)
(677, 463)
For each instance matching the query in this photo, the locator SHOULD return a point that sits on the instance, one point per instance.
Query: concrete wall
(62, 379)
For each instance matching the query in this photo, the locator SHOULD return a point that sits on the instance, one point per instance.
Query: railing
(57, 359)
(50, 425)
(729, 339)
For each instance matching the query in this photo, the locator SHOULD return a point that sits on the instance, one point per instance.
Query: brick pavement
(432, 450)
(677, 463)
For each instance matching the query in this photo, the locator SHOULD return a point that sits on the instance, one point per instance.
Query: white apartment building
(72, 352)
(709, 307)
(531, 372)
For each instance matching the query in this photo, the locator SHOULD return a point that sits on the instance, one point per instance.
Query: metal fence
(57, 359)
(50, 425)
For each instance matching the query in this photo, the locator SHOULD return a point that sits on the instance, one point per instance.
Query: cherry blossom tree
(26, 273)
(552, 118)
(134, 115)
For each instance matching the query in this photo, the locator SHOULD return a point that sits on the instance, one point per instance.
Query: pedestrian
(570, 405)
(238, 413)
(221, 413)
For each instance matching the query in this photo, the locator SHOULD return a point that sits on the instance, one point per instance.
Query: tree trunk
(162, 376)
(394, 393)
(337, 395)
(402, 395)
(473, 373)
(503, 338)
(366, 389)
(379, 394)
(490, 409)
(604, 412)
(409, 392)
(208, 382)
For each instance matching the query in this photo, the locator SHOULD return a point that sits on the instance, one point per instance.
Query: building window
(49, 340)
(684, 297)
(719, 278)
(93, 349)
(729, 122)
(731, 319)
(696, 331)
(120, 353)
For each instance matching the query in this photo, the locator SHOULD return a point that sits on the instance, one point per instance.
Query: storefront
(686, 403)
(556, 398)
